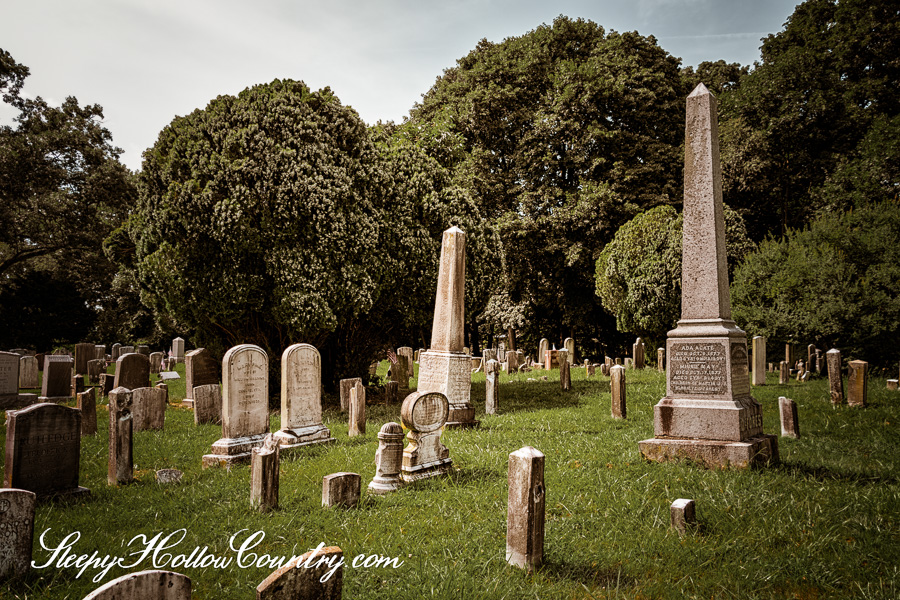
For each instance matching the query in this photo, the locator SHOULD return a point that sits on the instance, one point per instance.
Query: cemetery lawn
(825, 523)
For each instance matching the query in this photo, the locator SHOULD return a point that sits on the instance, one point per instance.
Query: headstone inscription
(245, 406)
(43, 450)
(145, 585)
(16, 531)
(388, 460)
(525, 509)
(301, 398)
(708, 414)
(445, 368)
(424, 414)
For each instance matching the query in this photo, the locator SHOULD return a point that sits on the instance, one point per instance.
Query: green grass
(823, 524)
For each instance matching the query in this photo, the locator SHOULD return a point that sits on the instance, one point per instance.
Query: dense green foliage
(835, 284)
(638, 275)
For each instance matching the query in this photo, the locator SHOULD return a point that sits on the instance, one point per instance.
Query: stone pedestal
(388, 460)
(450, 374)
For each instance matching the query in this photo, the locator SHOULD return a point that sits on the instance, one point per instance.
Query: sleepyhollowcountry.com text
(154, 552)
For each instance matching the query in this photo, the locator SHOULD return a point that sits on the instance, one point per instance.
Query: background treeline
(278, 216)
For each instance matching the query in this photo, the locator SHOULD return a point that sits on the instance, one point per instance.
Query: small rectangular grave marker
(145, 585)
(617, 388)
(857, 383)
(16, 531)
(87, 403)
(790, 425)
(683, 515)
(341, 489)
(207, 404)
(525, 509)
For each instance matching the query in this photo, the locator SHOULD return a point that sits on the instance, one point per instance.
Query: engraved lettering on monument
(698, 368)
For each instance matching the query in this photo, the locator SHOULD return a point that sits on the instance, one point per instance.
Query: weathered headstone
(617, 390)
(9, 380)
(784, 373)
(120, 468)
(543, 346)
(107, 383)
(29, 378)
(317, 575)
(893, 384)
(149, 409)
(357, 416)
(400, 371)
(759, 360)
(661, 359)
(132, 371)
(683, 516)
(629, 362)
(512, 362)
(83, 353)
(391, 394)
(820, 362)
(78, 384)
(424, 414)
(341, 489)
(156, 359)
(16, 531)
(525, 509)
(95, 368)
(345, 386)
(569, 347)
(178, 349)
(114, 351)
(87, 404)
(43, 450)
(143, 349)
(788, 354)
(245, 406)
(410, 361)
(301, 398)
(445, 367)
(145, 585)
(388, 459)
(565, 375)
(265, 465)
(857, 383)
(637, 354)
(207, 404)
(551, 360)
(790, 425)
(708, 414)
(100, 352)
(835, 379)
(125, 350)
(492, 387)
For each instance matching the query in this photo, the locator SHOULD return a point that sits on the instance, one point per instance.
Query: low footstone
(683, 515)
(388, 460)
(341, 489)
(264, 475)
(525, 509)
(790, 425)
(145, 585)
(317, 575)
(16, 531)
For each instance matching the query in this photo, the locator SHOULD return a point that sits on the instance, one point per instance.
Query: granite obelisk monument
(708, 414)
(445, 367)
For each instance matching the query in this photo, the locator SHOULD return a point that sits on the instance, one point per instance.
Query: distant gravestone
(142, 349)
(145, 585)
(245, 405)
(525, 509)
(410, 360)
(512, 362)
(149, 412)
(265, 464)
(178, 349)
(683, 515)
(492, 387)
(617, 388)
(9, 379)
(857, 383)
(156, 359)
(565, 374)
(43, 450)
(120, 467)
(114, 351)
(125, 350)
(100, 352)
(425, 414)
(29, 378)
(790, 426)
(784, 373)
(207, 404)
(200, 368)
(388, 460)
(16, 531)
(357, 416)
(107, 383)
(759, 360)
(87, 404)
(835, 380)
(132, 371)
(341, 489)
(661, 359)
(301, 398)
(346, 385)
(56, 385)
(391, 394)
(637, 354)
(317, 575)
(95, 368)
(83, 353)
(569, 346)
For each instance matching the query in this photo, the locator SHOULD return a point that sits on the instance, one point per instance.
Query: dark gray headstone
(132, 371)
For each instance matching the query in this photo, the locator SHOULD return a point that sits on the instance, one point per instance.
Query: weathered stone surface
(114, 351)
(492, 387)
(784, 373)
(629, 363)
(120, 469)
(759, 360)
(301, 398)
(790, 424)
(388, 460)
(617, 389)
(100, 352)
(167, 476)
(788, 354)
(107, 383)
(265, 465)
(512, 362)
(16, 531)
(835, 380)
(83, 353)
(637, 354)
(207, 404)
(391, 394)
(245, 405)
(43, 450)
(178, 349)
(892, 384)
(87, 404)
(142, 349)
(551, 359)
(357, 417)
(341, 489)
(156, 359)
(94, 369)
(345, 386)
(317, 575)
(683, 516)
(408, 362)
(565, 375)
(149, 409)
(9, 379)
(125, 350)
(29, 378)
(543, 346)
(424, 414)
(525, 509)
(78, 384)
(857, 383)
(449, 374)
(569, 347)
(132, 371)
(145, 585)
(661, 359)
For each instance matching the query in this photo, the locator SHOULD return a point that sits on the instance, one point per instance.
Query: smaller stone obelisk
(708, 414)
(445, 367)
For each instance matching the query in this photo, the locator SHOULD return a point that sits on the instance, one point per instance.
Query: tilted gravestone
(145, 585)
(43, 450)
(264, 475)
(301, 398)
(318, 575)
(346, 385)
(132, 371)
(245, 406)
(16, 531)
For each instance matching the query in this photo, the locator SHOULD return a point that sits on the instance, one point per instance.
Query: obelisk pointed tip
(454, 229)
(700, 90)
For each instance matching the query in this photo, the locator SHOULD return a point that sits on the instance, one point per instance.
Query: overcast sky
(148, 61)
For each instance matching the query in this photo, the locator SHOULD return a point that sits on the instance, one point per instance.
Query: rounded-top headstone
(425, 412)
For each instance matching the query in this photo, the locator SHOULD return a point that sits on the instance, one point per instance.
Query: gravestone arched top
(425, 412)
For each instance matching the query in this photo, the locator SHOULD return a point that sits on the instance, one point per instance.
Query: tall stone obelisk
(444, 367)
(708, 414)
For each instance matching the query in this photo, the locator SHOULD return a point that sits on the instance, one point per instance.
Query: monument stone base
(449, 373)
(233, 451)
(715, 454)
(424, 471)
(304, 436)
(384, 485)
(188, 403)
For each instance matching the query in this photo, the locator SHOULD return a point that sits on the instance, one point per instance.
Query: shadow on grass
(588, 575)
(475, 475)
(820, 473)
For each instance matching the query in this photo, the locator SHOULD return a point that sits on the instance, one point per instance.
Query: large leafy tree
(566, 133)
